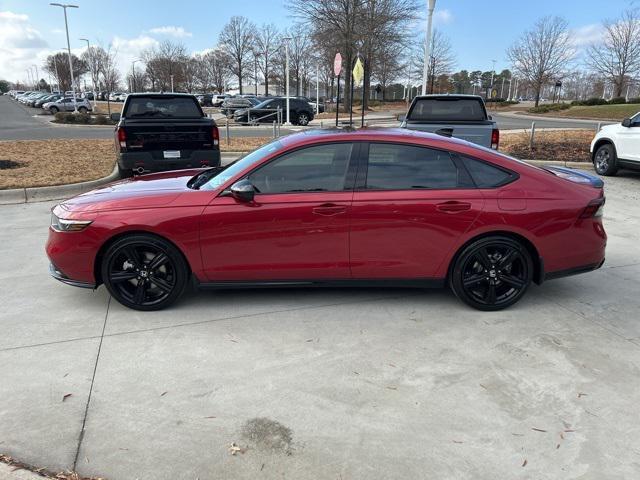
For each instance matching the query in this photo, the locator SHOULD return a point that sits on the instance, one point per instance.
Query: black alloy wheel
(604, 161)
(144, 272)
(492, 273)
(303, 119)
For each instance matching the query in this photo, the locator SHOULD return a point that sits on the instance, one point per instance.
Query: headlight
(64, 225)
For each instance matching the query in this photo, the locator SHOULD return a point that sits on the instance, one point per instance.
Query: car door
(628, 140)
(297, 227)
(410, 206)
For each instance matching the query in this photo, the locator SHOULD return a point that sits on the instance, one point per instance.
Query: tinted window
(313, 169)
(443, 109)
(404, 167)
(178, 107)
(485, 175)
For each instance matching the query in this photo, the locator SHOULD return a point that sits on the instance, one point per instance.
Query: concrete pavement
(352, 384)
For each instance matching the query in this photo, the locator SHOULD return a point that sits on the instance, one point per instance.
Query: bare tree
(617, 56)
(58, 64)
(109, 72)
(266, 44)
(441, 59)
(299, 56)
(386, 66)
(168, 60)
(542, 53)
(236, 39)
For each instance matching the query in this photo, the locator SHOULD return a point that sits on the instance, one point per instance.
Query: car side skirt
(393, 283)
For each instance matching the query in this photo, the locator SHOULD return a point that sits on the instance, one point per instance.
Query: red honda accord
(325, 208)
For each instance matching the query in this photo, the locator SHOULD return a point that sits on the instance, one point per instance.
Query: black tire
(144, 272)
(492, 273)
(125, 172)
(605, 161)
(82, 110)
(54, 110)
(303, 119)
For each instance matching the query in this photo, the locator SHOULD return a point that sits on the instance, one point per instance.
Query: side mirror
(626, 122)
(243, 191)
(115, 117)
(402, 117)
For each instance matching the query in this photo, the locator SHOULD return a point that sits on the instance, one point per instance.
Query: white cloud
(586, 35)
(442, 17)
(21, 46)
(129, 49)
(172, 31)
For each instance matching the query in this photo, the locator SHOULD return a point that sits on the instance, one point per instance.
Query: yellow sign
(358, 71)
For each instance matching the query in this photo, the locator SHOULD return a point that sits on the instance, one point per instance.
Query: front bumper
(61, 277)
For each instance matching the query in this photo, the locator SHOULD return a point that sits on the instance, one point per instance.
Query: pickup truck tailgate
(478, 133)
(151, 136)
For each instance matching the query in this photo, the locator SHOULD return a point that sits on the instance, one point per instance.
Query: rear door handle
(453, 207)
(329, 209)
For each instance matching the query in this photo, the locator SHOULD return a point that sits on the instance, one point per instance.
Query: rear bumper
(152, 161)
(573, 271)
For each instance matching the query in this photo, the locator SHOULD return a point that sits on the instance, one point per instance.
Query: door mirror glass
(115, 117)
(243, 191)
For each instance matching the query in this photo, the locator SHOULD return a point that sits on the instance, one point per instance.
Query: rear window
(174, 107)
(447, 109)
(485, 175)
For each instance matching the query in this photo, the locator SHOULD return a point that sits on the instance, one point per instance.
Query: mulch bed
(562, 146)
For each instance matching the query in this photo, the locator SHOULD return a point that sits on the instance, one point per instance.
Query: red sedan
(326, 208)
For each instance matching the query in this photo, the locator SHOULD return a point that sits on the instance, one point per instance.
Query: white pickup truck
(617, 146)
(459, 116)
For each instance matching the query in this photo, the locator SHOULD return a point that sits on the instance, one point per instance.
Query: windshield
(239, 165)
(264, 104)
(447, 109)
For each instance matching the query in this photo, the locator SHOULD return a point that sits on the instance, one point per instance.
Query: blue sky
(479, 31)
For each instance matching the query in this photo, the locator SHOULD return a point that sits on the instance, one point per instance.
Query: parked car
(205, 99)
(266, 112)
(66, 104)
(16, 93)
(230, 105)
(24, 99)
(114, 96)
(46, 99)
(312, 103)
(217, 100)
(458, 116)
(164, 131)
(29, 102)
(617, 146)
(367, 207)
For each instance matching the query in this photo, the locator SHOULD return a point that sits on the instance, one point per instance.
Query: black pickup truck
(164, 131)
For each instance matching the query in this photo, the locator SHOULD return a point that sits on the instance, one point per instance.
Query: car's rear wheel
(82, 110)
(492, 273)
(605, 161)
(144, 272)
(303, 119)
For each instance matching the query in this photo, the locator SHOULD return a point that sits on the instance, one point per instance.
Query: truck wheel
(605, 161)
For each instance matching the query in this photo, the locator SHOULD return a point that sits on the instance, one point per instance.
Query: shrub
(617, 100)
(552, 107)
(83, 118)
(64, 117)
(634, 100)
(101, 120)
(594, 101)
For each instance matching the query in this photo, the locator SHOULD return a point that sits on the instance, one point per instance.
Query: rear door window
(174, 107)
(406, 167)
(445, 109)
(485, 175)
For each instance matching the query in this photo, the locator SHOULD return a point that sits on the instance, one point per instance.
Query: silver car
(66, 105)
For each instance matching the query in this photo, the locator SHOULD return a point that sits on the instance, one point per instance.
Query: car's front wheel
(144, 272)
(54, 110)
(605, 161)
(82, 110)
(492, 273)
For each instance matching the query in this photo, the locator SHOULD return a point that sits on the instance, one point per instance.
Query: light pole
(171, 83)
(37, 76)
(318, 89)
(93, 78)
(286, 54)
(133, 75)
(66, 27)
(29, 81)
(427, 45)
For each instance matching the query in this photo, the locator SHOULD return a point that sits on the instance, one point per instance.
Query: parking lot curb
(54, 192)
(8, 472)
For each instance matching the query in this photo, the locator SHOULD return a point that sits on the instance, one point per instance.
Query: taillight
(215, 134)
(594, 209)
(495, 138)
(121, 137)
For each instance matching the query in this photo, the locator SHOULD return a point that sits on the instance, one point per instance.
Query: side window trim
(513, 176)
(349, 177)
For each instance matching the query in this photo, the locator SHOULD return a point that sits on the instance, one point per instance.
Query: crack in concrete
(93, 378)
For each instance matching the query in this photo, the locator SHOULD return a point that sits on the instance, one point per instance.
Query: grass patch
(562, 145)
(38, 163)
(599, 112)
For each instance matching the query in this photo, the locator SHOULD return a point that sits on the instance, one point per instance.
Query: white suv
(617, 146)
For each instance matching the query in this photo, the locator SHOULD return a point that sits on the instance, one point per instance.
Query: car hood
(146, 191)
(610, 128)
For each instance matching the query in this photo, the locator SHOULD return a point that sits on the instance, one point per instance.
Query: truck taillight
(215, 134)
(495, 138)
(594, 209)
(121, 137)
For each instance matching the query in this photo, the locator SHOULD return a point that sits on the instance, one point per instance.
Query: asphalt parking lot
(324, 384)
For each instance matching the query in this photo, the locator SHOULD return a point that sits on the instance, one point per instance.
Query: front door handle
(329, 209)
(453, 206)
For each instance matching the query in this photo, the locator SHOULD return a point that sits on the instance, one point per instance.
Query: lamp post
(286, 53)
(29, 81)
(317, 89)
(66, 27)
(133, 75)
(37, 76)
(93, 77)
(171, 83)
(427, 44)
